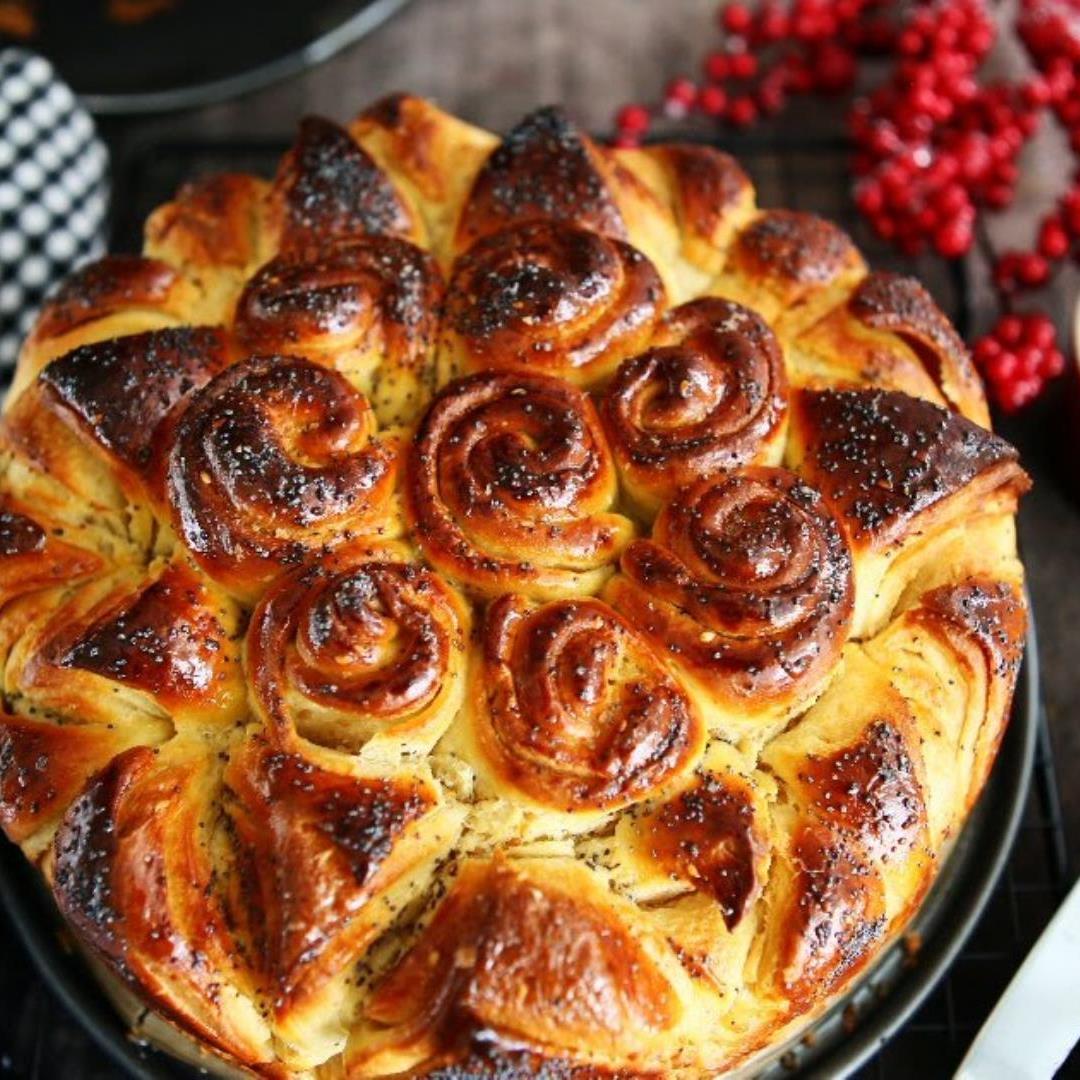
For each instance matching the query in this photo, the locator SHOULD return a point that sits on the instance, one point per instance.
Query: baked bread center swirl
(710, 394)
(550, 297)
(510, 486)
(575, 709)
(478, 607)
(747, 584)
(366, 646)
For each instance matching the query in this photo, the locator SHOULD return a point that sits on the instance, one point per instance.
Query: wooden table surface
(490, 61)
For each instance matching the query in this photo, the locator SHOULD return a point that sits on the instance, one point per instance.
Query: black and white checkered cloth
(53, 191)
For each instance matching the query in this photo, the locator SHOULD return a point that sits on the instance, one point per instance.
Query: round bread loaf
(477, 607)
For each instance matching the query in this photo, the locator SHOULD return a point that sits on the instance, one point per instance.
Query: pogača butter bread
(478, 606)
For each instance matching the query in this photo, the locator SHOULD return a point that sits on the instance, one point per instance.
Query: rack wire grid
(39, 1042)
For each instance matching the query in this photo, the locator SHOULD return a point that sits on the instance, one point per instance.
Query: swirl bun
(747, 585)
(272, 459)
(368, 309)
(573, 711)
(509, 485)
(365, 648)
(550, 297)
(710, 394)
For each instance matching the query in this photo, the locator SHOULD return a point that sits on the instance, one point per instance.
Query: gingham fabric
(53, 191)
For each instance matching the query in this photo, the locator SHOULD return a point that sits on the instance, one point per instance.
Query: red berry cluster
(935, 147)
(769, 52)
(1050, 30)
(1017, 357)
(932, 145)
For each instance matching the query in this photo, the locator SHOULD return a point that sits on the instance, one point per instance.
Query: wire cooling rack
(39, 1041)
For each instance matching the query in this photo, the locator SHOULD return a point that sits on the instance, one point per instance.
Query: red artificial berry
(1028, 360)
(953, 239)
(986, 349)
(742, 111)
(951, 199)
(743, 65)
(909, 43)
(633, 119)
(736, 18)
(912, 244)
(800, 77)
(679, 96)
(717, 66)
(772, 23)
(1036, 92)
(712, 101)
(1053, 239)
(869, 198)
(770, 99)
(998, 196)
(1032, 270)
(1005, 271)
(1009, 330)
(883, 140)
(1002, 368)
(1040, 331)
(1070, 211)
(1011, 395)
(834, 68)
(1027, 389)
(1053, 364)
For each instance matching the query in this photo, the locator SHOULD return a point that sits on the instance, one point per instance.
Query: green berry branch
(936, 146)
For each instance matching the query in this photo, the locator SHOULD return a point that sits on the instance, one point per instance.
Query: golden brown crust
(118, 294)
(906, 479)
(151, 375)
(273, 459)
(833, 917)
(509, 486)
(790, 266)
(550, 297)
(746, 585)
(329, 188)
(708, 837)
(869, 789)
(571, 708)
(33, 557)
(132, 872)
(955, 654)
(315, 848)
(113, 283)
(545, 169)
(711, 192)
(902, 306)
(43, 767)
(710, 394)
(499, 922)
(214, 221)
(794, 249)
(881, 458)
(168, 638)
